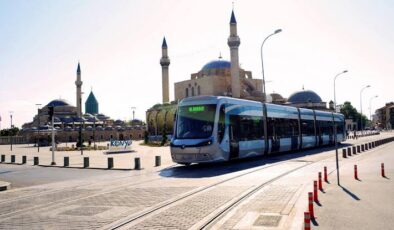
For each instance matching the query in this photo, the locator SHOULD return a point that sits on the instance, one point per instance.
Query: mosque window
(187, 92)
(192, 91)
(198, 90)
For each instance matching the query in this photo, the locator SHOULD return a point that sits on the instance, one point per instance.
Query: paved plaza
(256, 193)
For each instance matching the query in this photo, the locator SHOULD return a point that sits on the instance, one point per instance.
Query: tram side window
(221, 123)
(340, 127)
(307, 127)
(325, 127)
(248, 128)
(282, 128)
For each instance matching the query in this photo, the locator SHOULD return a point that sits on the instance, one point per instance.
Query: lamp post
(335, 127)
(38, 127)
(262, 64)
(370, 107)
(361, 107)
(11, 113)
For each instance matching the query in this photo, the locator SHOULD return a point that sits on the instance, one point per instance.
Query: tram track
(148, 211)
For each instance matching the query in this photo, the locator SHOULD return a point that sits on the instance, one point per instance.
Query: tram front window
(195, 122)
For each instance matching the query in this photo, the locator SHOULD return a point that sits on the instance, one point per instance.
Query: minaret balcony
(164, 61)
(234, 41)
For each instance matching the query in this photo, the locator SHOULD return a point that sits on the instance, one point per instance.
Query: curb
(4, 186)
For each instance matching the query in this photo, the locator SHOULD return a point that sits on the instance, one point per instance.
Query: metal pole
(11, 131)
(262, 63)
(335, 128)
(361, 108)
(38, 127)
(53, 140)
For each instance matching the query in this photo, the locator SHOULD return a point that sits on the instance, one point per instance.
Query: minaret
(233, 42)
(78, 83)
(165, 62)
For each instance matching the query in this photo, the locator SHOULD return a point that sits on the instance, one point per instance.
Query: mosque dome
(217, 64)
(304, 96)
(58, 102)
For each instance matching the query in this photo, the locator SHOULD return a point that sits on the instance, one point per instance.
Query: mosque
(69, 121)
(219, 78)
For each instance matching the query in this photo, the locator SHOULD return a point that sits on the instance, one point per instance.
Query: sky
(118, 43)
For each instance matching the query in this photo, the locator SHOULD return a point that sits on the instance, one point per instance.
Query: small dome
(276, 96)
(304, 96)
(58, 102)
(217, 64)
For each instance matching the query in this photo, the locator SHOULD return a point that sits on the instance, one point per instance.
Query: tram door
(234, 142)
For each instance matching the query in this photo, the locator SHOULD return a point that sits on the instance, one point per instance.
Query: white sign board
(116, 146)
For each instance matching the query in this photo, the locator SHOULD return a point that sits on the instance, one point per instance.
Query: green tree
(351, 113)
(9, 132)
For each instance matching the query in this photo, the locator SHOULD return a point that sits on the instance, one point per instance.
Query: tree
(351, 113)
(9, 132)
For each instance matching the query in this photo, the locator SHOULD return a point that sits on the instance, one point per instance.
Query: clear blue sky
(118, 44)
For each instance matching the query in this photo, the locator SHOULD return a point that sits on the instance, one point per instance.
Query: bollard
(24, 159)
(86, 162)
(362, 148)
(110, 162)
(354, 150)
(137, 163)
(12, 158)
(344, 153)
(366, 147)
(315, 198)
(157, 161)
(2, 158)
(66, 161)
(373, 144)
(307, 221)
(369, 145)
(325, 174)
(355, 172)
(320, 184)
(358, 149)
(382, 167)
(310, 205)
(349, 151)
(36, 161)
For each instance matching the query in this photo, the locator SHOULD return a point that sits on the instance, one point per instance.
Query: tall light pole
(11, 113)
(262, 64)
(38, 127)
(370, 107)
(361, 107)
(335, 127)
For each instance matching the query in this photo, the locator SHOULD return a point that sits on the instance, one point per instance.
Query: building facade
(385, 116)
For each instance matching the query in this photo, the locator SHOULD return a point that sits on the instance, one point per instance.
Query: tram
(215, 128)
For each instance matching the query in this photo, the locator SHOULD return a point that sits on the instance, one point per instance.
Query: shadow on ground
(217, 169)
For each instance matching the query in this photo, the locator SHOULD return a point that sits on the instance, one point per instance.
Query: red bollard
(355, 172)
(310, 205)
(307, 221)
(382, 166)
(315, 192)
(325, 174)
(320, 184)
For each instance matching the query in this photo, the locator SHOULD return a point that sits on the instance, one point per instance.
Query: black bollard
(137, 163)
(344, 153)
(110, 162)
(36, 161)
(12, 158)
(66, 161)
(24, 159)
(86, 162)
(157, 161)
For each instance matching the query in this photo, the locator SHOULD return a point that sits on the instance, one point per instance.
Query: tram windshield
(195, 121)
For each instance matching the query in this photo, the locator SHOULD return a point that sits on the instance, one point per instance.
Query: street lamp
(361, 107)
(370, 106)
(38, 127)
(262, 64)
(11, 113)
(335, 126)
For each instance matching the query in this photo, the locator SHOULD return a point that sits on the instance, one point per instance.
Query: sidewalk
(366, 203)
(97, 159)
